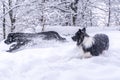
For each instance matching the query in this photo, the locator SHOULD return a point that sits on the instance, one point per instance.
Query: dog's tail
(60, 38)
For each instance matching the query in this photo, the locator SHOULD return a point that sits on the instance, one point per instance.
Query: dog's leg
(17, 46)
(13, 47)
(86, 55)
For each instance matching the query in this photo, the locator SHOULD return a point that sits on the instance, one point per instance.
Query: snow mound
(61, 61)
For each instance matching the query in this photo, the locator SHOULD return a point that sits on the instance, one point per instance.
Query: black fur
(23, 38)
(100, 42)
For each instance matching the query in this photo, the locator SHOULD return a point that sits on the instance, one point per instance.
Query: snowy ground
(60, 61)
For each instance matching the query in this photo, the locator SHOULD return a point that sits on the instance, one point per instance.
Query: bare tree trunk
(83, 13)
(91, 22)
(109, 13)
(43, 18)
(74, 8)
(43, 23)
(43, 1)
(12, 19)
(4, 21)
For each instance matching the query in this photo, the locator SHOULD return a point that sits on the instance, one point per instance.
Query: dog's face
(79, 36)
(10, 38)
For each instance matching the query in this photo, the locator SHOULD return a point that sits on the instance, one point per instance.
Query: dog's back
(48, 35)
(101, 43)
(51, 35)
(103, 40)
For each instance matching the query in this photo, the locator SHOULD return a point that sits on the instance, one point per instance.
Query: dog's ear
(84, 30)
(80, 30)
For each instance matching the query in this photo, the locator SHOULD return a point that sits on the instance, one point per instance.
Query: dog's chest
(87, 42)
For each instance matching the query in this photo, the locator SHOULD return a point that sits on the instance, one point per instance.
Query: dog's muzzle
(74, 38)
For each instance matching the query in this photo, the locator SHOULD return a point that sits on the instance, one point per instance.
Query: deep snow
(54, 60)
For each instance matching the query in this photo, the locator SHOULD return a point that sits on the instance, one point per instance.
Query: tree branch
(60, 9)
(10, 10)
(100, 8)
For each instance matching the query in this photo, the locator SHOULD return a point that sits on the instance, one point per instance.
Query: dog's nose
(73, 38)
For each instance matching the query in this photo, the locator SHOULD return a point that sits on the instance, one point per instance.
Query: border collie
(91, 46)
(24, 38)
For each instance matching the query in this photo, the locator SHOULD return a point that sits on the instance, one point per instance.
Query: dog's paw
(86, 55)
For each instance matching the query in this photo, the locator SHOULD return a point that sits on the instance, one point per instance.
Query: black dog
(91, 46)
(23, 38)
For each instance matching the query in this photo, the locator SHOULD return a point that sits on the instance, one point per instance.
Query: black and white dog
(91, 46)
(24, 38)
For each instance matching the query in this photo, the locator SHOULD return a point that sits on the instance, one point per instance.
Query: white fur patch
(83, 54)
(88, 42)
(86, 55)
(81, 50)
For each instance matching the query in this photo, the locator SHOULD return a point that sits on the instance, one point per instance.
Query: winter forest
(17, 15)
(59, 39)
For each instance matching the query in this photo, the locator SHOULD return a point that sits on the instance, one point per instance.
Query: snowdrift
(60, 61)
